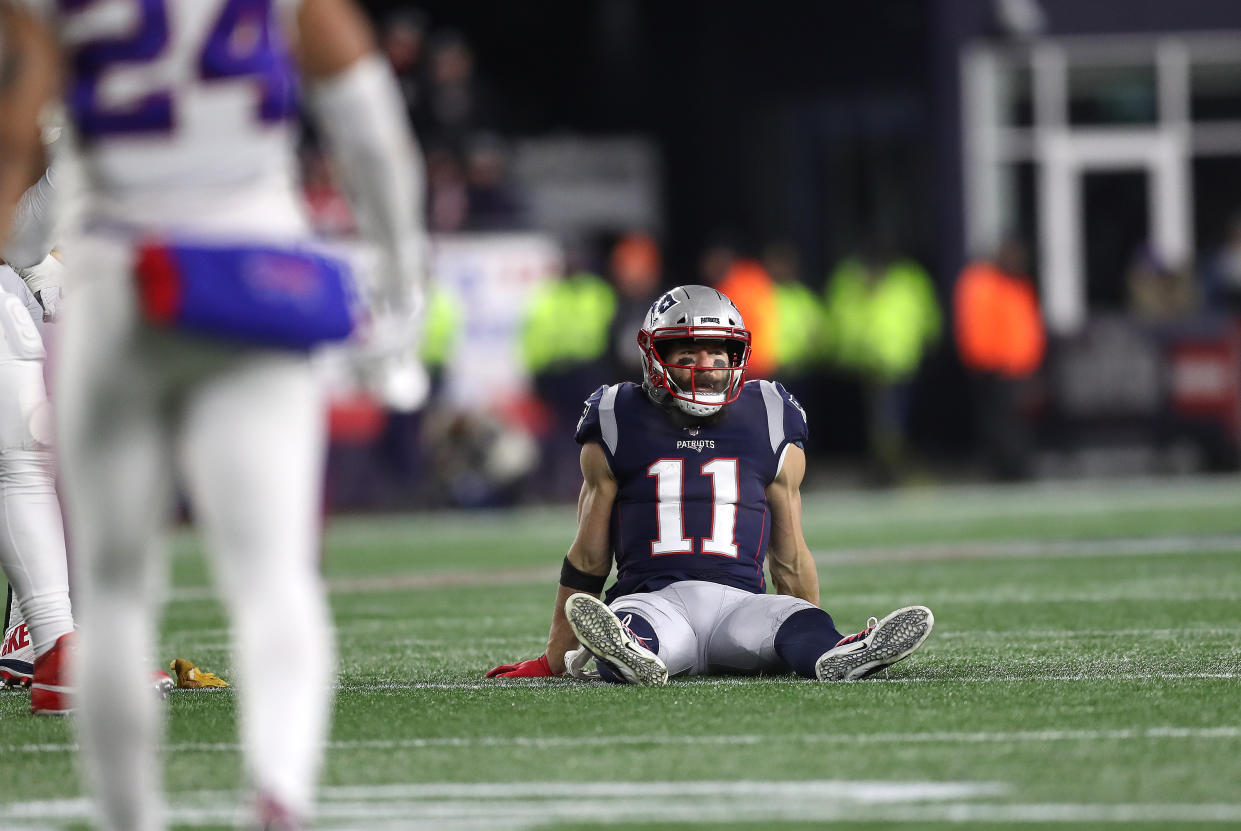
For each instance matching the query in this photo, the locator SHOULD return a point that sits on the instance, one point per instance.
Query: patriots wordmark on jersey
(691, 501)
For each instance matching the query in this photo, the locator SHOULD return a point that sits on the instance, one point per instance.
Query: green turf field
(1085, 670)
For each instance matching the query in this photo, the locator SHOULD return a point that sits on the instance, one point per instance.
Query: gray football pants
(710, 629)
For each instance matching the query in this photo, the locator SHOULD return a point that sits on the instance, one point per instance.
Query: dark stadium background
(821, 123)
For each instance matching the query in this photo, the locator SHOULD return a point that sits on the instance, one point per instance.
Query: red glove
(534, 668)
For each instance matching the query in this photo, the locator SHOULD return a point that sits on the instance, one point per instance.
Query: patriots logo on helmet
(694, 313)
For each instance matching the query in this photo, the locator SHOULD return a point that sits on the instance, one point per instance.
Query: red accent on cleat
(856, 636)
(50, 693)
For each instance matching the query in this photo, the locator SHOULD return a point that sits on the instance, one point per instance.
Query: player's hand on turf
(534, 668)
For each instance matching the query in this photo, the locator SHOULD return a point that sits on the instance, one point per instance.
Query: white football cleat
(611, 642)
(16, 657)
(879, 645)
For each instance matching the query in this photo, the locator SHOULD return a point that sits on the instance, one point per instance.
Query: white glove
(397, 382)
(575, 662)
(388, 362)
(44, 280)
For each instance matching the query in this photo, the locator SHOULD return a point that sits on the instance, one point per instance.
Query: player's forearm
(561, 638)
(28, 79)
(796, 576)
(31, 236)
(361, 114)
(591, 556)
(589, 560)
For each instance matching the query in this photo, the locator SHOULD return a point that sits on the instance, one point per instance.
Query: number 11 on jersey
(669, 492)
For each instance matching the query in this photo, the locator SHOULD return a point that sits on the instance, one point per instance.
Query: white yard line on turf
(1185, 545)
(560, 685)
(1052, 634)
(851, 790)
(485, 646)
(1009, 595)
(513, 806)
(1223, 732)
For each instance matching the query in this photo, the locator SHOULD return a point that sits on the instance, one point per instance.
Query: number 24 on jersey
(243, 44)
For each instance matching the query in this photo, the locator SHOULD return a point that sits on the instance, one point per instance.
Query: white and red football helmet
(693, 313)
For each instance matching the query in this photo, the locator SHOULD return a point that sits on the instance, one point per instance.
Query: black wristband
(574, 578)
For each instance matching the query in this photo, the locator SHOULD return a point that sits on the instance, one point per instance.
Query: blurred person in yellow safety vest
(442, 329)
(800, 346)
(882, 315)
(565, 348)
(799, 314)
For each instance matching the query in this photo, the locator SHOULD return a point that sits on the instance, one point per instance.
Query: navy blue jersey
(691, 502)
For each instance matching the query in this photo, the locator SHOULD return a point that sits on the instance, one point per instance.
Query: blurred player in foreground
(690, 481)
(32, 541)
(183, 358)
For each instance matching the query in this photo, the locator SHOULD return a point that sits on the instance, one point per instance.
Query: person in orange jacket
(753, 291)
(1002, 342)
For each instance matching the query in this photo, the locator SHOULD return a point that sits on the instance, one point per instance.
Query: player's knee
(25, 470)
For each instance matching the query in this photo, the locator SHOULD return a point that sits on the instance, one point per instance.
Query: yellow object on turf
(190, 677)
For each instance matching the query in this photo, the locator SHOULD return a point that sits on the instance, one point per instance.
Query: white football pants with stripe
(32, 540)
(140, 413)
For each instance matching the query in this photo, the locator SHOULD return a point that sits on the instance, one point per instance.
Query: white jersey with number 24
(184, 112)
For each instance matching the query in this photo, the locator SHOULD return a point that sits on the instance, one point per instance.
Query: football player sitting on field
(690, 481)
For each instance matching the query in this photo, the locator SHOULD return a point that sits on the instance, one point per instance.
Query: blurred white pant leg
(116, 466)
(252, 454)
(32, 542)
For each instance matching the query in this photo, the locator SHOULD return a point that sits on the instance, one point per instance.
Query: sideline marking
(930, 737)
(515, 806)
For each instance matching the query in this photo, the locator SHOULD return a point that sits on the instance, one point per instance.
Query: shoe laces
(871, 623)
(641, 640)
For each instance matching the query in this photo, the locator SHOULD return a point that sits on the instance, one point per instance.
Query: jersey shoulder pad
(786, 418)
(598, 420)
